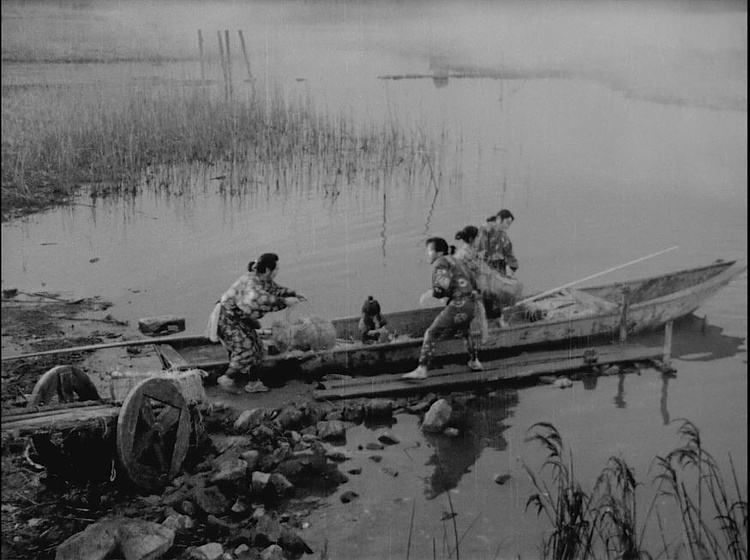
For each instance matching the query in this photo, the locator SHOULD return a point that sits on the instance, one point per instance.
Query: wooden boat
(612, 310)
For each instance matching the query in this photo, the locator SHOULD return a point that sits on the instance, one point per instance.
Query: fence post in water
(223, 64)
(624, 314)
(244, 54)
(667, 352)
(200, 49)
(229, 61)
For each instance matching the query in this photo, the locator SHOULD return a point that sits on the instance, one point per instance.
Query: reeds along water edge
(605, 523)
(109, 135)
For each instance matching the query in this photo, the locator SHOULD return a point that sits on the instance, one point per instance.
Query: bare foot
(229, 385)
(256, 387)
(419, 373)
(475, 365)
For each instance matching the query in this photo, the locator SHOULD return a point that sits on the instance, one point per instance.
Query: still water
(611, 130)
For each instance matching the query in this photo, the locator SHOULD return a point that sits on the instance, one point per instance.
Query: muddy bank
(257, 467)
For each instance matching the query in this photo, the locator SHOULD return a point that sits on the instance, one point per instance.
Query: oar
(602, 273)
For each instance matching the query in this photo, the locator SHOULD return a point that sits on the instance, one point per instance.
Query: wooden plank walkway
(495, 372)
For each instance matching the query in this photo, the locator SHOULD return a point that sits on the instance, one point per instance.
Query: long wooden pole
(140, 342)
(223, 64)
(229, 60)
(244, 54)
(203, 64)
(602, 273)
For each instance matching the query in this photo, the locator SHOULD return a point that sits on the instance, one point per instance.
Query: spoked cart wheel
(63, 384)
(153, 433)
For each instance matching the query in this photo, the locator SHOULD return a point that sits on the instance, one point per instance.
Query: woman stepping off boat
(450, 279)
(241, 307)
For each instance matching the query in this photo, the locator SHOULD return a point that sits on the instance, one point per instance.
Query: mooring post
(229, 61)
(667, 351)
(200, 49)
(223, 63)
(624, 314)
(244, 54)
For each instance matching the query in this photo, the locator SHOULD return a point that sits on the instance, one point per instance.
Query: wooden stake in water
(223, 64)
(624, 307)
(229, 61)
(200, 49)
(244, 54)
(667, 357)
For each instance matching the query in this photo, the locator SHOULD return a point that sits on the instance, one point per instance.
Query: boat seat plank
(174, 359)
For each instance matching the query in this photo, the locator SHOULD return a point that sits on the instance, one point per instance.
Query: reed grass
(55, 141)
(604, 523)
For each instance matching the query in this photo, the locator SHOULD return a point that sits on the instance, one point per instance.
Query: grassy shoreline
(55, 141)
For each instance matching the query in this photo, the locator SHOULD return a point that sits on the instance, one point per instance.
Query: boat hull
(630, 308)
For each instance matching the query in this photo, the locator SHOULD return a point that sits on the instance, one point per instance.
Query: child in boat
(371, 323)
(450, 279)
(241, 307)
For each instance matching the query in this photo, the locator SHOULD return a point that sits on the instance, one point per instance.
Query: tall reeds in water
(54, 140)
(603, 523)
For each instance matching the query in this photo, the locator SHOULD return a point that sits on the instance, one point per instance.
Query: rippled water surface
(611, 130)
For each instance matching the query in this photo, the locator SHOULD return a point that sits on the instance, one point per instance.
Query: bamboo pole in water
(244, 54)
(223, 63)
(200, 49)
(229, 61)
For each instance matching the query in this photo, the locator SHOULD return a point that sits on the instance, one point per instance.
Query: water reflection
(482, 426)
(383, 231)
(589, 382)
(699, 341)
(665, 377)
(619, 399)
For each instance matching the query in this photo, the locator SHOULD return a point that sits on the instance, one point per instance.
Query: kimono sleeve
(257, 300)
(281, 291)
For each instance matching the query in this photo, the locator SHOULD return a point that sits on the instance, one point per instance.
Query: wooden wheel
(63, 382)
(153, 433)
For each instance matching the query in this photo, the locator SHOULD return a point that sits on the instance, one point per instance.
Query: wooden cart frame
(153, 421)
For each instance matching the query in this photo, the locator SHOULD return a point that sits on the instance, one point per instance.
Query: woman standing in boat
(467, 253)
(241, 307)
(494, 244)
(450, 279)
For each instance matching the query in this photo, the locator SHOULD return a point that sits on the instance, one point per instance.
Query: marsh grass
(604, 523)
(54, 141)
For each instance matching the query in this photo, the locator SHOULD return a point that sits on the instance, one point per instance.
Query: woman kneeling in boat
(451, 279)
(241, 306)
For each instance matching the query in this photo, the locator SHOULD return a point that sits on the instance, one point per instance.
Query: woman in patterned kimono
(467, 253)
(494, 243)
(241, 307)
(450, 279)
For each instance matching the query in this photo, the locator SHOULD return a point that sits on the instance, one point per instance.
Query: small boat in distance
(567, 315)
